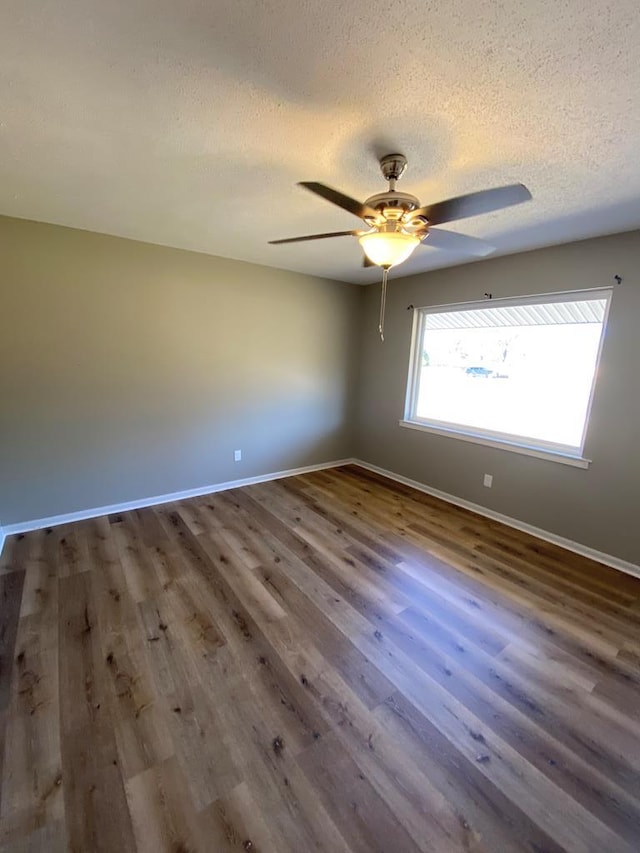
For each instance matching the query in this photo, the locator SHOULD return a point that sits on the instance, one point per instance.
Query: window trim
(500, 444)
(502, 441)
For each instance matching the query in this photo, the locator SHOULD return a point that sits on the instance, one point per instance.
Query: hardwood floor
(329, 662)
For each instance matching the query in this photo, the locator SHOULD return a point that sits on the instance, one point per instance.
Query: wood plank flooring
(328, 662)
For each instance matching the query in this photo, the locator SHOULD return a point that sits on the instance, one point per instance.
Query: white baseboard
(96, 512)
(570, 545)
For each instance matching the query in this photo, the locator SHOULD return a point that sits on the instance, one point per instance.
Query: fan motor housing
(404, 202)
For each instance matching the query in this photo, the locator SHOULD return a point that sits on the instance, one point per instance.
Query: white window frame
(503, 441)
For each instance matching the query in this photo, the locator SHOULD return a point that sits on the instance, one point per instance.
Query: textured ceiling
(188, 123)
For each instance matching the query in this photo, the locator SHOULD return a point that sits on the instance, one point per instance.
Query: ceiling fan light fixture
(388, 248)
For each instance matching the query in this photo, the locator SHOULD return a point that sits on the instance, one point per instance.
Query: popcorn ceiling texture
(187, 123)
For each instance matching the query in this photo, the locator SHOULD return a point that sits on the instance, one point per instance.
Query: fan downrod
(393, 167)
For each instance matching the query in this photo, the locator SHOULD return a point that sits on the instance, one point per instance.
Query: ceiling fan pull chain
(383, 302)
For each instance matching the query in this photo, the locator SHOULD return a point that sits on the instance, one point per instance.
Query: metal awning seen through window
(548, 314)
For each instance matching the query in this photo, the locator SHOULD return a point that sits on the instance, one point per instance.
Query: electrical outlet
(488, 480)
(237, 456)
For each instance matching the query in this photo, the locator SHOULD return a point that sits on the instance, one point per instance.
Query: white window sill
(513, 447)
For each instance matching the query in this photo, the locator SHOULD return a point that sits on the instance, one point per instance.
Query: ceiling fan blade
(473, 204)
(452, 242)
(315, 237)
(343, 201)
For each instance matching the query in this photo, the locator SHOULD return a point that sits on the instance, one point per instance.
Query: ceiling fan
(397, 224)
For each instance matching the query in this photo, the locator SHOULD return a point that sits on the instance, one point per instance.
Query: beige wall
(129, 370)
(598, 507)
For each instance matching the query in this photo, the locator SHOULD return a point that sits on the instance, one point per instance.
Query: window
(514, 373)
